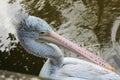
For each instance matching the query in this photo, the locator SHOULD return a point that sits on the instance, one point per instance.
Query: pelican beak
(57, 39)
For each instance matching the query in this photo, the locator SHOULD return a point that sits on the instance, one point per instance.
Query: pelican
(38, 38)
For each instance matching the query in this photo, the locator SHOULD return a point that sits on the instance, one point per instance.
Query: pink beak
(79, 50)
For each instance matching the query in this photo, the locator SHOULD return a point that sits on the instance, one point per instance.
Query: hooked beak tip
(112, 68)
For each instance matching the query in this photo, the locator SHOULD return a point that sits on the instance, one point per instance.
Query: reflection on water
(43, 9)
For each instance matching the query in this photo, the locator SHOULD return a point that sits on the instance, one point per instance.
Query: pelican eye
(43, 33)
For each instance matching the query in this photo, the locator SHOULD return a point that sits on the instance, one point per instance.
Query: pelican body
(38, 38)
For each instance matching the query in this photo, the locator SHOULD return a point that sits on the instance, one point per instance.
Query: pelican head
(35, 35)
(34, 28)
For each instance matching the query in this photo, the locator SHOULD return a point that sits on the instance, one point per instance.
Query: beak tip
(112, 68)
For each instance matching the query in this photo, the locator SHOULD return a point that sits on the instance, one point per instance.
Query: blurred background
(92, 24)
